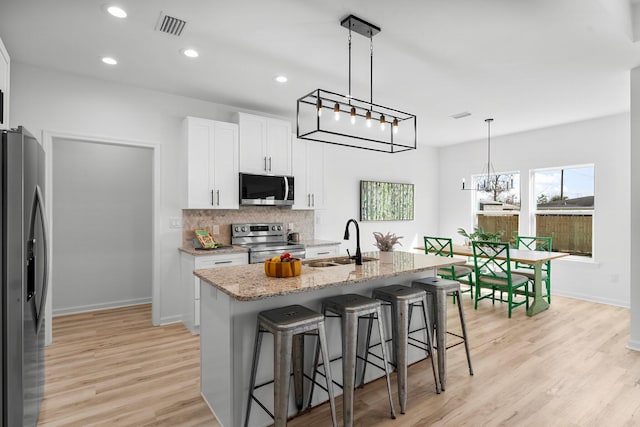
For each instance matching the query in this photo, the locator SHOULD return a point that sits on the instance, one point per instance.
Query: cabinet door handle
(265, 163)
(269, 163)
(309, 200)
(313, 199)
(211, 197)
(324, 253)
(223, 262)
(218, 197)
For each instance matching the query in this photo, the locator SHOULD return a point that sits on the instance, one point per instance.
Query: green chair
(442, 246)
(535, 244)
(493, 271)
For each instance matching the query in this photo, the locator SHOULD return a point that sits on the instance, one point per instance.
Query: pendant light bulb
(382, 122)
(368, 118)
(319, 107)
(395, 125)
(353, 115)
(336, 111)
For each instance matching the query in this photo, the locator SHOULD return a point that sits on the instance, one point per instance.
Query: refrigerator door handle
(37, 212)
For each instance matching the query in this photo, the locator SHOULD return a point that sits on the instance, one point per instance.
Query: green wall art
(386, 201)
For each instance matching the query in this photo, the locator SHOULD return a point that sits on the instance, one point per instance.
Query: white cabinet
(308, 170)
(4, 87)
(323, 251)
(212, 164)
(191, 284)
(265, 145)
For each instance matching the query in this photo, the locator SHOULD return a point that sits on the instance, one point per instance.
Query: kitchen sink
(335, 261)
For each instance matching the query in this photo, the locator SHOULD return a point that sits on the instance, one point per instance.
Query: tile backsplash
(192, 219)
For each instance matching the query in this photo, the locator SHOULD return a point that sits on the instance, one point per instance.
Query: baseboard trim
(633, 345)
(101, 306)
(585, 297)
(177, 318)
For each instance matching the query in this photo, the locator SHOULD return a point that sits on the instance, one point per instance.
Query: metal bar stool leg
(322, 337)
(254, 368)
(384, 357)
(400, 313)
(464, 334)
(349, 341)
(441, 336)
(428, 329)
(282, 349)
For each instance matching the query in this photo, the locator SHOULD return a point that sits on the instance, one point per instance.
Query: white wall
(345, 167)
(102, 233)
(605, 142)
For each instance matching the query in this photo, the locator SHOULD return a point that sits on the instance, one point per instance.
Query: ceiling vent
(170, 25)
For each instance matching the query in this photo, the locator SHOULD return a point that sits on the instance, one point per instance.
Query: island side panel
(216, 344)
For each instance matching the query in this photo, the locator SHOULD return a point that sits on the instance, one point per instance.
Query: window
(497, 203)
(564, 206)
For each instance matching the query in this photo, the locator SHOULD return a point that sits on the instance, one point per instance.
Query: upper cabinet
(308, 170)
(4, 87)
(265, 145)
(212, 164)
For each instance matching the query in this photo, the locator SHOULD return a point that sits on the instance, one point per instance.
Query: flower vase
(386, 257)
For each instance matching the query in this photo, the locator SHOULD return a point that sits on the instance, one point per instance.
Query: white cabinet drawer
(322, 251)
(215, 261)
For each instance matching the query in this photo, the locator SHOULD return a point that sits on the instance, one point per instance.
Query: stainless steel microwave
(266, 190)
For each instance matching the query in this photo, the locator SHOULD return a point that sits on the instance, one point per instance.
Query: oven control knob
(237, 229)
(244, 229)
(273, 227)
(279, 228)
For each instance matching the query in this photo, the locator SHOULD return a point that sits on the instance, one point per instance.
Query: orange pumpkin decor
(289, 268)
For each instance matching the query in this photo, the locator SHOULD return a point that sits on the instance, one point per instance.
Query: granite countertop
(218, 251)
(249, 282)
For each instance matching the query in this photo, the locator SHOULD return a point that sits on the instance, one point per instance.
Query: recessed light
(460, 115)
(190, 53)
(116, 11)
(281, 79)
(109, 61)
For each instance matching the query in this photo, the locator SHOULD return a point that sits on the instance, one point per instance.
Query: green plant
(480, 234)
(386, 242)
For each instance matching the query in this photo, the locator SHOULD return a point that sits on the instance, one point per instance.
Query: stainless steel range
(264, 241)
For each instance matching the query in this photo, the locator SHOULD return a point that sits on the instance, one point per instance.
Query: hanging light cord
(349, 93)
(488, 148)
(371, 69)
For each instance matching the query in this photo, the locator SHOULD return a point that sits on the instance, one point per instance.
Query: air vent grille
(170, 25)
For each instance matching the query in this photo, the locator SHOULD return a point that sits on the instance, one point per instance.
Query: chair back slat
(491, 259)
(441, 246)
(534, 243)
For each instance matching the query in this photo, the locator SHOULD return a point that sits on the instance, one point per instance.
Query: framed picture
(386, 201)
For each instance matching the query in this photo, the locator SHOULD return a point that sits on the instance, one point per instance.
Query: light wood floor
(112, 368)
(567, 366)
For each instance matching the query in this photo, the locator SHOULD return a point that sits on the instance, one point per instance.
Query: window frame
(534, 211)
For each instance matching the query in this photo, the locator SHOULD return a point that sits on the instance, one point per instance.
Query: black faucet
(358, 256)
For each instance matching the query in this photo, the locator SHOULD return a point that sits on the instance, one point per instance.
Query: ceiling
(527, 63)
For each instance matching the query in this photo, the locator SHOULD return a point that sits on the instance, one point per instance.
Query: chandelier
(489, 181)
(337, 119)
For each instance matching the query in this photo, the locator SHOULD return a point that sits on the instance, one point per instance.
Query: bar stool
(287, 324)
(402, 299)
(350, 308)
(439, 289)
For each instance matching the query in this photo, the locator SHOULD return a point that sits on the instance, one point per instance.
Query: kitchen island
(232, 297)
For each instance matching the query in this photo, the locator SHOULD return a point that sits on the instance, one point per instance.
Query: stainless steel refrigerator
(24, 277)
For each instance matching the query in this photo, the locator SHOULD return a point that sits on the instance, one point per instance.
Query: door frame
(48, 138)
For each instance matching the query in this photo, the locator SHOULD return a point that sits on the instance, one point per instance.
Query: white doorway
(102, 199)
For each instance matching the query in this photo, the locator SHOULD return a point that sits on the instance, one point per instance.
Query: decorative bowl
(283, 269)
